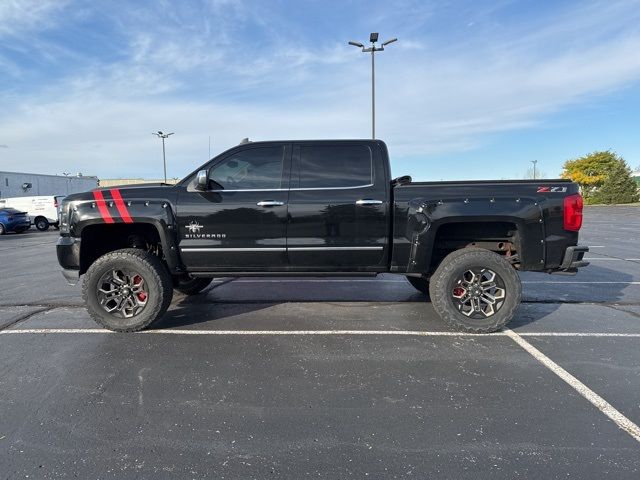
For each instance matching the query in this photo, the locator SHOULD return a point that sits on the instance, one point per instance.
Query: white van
(43, 211)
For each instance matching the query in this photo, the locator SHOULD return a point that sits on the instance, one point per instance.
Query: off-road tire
(190, 285)
(41, 224)
(157, 280)
(419, 283)
(454, 265)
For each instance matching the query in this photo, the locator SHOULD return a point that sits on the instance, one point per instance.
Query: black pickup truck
(311, 208)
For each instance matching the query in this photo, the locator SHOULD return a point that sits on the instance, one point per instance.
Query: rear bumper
(68, 251)
(573, 260)
(19, 225)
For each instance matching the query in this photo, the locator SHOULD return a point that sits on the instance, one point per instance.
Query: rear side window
(252, 169)
(331, 166)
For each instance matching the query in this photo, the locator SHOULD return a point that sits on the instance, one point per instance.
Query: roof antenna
(244, 140)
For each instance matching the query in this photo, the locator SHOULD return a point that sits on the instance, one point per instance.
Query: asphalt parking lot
(327, 378)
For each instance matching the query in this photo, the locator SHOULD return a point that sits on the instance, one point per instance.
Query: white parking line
(416, 333)
(600, 403)
(404, 282)
(603, 282)
(608, 259)
(575, 334)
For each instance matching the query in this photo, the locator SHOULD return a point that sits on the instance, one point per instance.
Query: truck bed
(528, 212)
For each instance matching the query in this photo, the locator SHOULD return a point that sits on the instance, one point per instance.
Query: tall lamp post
(534, 168)
(161, 135)
(373, 38)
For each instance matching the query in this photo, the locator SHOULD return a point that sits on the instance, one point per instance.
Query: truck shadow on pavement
(256, 303)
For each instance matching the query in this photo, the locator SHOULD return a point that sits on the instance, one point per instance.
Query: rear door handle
(269, 203)
(368, 201)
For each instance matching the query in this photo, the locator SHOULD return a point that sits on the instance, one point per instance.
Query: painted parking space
(245, 406)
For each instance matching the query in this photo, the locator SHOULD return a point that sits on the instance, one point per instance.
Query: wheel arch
(502, 235)
(99, 238)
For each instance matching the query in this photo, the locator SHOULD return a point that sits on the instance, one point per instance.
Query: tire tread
(161, 276)
(439, 292)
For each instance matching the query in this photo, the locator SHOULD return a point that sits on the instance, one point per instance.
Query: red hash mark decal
(102, 206)
(120, 205)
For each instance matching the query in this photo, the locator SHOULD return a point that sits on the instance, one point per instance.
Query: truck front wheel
(475, 290)
(126, 290)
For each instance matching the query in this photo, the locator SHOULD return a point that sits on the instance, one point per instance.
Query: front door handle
(269, 203)
(368, 201)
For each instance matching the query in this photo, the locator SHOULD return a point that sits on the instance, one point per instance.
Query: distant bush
(619, 187)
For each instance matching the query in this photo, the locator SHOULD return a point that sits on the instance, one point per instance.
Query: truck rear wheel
(191, 285)
(475, 290)
(41, 224)
(126, 290)
(419, 283)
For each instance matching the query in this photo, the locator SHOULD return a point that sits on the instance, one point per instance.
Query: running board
(283, 274)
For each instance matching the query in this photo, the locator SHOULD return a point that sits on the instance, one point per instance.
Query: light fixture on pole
(161, 135)
(373, 38)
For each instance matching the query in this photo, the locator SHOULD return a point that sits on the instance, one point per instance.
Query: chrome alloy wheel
(478, 293)
(122, 293)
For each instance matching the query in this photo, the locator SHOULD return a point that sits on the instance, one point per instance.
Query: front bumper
(573, 260)
(68, 251)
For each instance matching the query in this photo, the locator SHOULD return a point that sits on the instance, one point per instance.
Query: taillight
(55, 202)
(573, 212)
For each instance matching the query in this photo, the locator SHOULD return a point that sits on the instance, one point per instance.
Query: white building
(16, 184)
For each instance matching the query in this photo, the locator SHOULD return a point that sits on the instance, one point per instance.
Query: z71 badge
(552, 189)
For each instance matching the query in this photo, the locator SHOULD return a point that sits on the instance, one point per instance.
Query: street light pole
(161, 135)
(534, 168)
(373, 93)
(373, 38)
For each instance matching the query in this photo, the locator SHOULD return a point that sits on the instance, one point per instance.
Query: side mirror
(202, 180)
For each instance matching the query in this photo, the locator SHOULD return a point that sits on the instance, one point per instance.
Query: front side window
(253, 169)
(344, 166)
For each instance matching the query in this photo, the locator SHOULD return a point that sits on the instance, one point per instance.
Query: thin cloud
(21, 16)
(197, 71)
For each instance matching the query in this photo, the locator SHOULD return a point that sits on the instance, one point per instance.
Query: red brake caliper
(458, 291)
(142, 295)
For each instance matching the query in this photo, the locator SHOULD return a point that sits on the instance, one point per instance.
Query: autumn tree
(591, 172)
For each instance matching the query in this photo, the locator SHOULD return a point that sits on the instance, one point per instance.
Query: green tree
(591, 172)
(619, 187)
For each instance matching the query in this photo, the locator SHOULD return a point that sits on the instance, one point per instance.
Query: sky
(471, 90)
